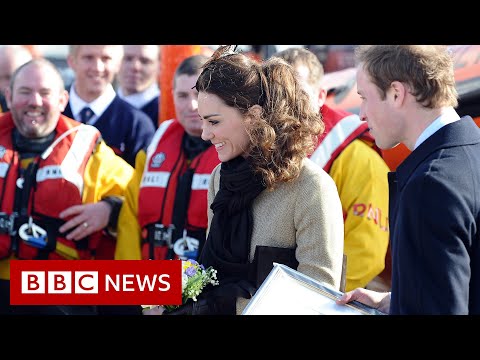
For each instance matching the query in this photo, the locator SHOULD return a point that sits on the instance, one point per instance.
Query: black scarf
(228, 244)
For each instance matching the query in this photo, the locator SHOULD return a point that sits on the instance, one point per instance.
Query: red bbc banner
(95, 282)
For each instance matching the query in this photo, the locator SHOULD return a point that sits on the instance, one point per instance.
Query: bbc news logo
(95, 282)
(59, 282)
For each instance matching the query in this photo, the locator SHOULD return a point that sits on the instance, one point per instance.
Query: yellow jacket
(361, 178)
(129, 232)
(106, 174)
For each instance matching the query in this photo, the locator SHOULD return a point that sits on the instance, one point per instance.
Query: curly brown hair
(286, 130)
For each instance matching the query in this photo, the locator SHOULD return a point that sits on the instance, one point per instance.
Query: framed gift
(288, 292)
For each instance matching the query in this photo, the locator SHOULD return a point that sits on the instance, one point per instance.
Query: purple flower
(191, 271)
(193, 262)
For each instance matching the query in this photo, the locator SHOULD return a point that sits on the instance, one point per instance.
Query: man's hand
(85, 219)
(377, 300)
(157, 310)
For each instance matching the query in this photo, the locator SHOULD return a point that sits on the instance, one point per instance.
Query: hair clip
(229, 51)
(214, 58)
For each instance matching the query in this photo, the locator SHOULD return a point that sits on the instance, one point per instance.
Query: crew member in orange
(165, 211)
(61, 186)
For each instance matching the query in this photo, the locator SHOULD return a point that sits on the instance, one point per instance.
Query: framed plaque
(288, 292)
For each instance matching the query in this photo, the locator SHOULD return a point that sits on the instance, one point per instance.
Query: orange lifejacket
(159, 200)
(341, 128)
(32, 198)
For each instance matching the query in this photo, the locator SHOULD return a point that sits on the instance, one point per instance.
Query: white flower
(184, 281)
(194, 280)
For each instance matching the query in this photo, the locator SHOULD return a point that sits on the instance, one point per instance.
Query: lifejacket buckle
(186, 247)
(7, 223)
(163, 235)
(33, 234)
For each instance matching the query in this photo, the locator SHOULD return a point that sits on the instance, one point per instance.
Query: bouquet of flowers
(194, 279)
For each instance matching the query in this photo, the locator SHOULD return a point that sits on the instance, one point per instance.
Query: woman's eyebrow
(209, 116)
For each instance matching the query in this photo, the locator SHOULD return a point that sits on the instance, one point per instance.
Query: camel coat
(305, 213)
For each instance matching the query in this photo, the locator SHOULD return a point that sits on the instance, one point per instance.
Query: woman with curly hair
(266, 198)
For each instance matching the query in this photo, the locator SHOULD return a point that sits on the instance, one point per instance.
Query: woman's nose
(206, 135)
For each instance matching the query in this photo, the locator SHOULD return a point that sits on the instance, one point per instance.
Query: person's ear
(322, 96)
(398, 92)
(256, 110)
(63, 101)
(71, 61)
(8, 97)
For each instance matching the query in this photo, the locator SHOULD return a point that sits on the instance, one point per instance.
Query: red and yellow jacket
(348, 153)
(152, 197)
(79, 169)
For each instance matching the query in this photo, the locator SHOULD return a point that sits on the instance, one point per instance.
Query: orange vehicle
(342, 93)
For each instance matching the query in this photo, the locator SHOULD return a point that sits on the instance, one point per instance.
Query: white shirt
(449, 116)
(140, 99)
(98, 106)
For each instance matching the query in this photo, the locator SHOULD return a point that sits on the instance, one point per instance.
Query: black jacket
(435, 224)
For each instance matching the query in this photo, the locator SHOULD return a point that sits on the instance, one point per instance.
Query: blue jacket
(124, 128)
(434, 224)
(151, 109)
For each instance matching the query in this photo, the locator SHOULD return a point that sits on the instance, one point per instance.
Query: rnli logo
(2, 152)
(158, 160)
(371, 213)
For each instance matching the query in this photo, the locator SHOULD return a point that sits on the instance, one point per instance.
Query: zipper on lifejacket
(22, 195)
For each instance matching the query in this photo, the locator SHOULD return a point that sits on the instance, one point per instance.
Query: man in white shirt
(93, 100)
(138, 78)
